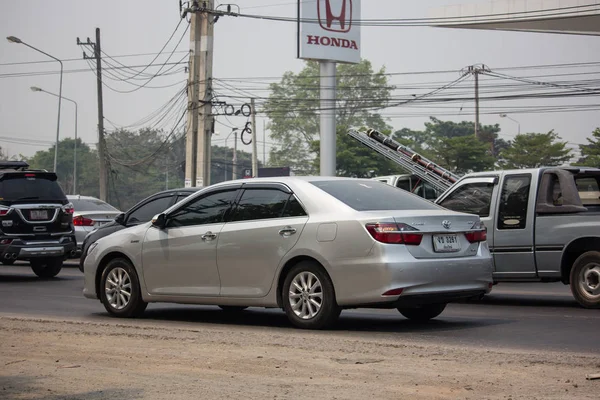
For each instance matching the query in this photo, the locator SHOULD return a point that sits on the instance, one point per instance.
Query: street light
(514, 120)
(13, 39)
(37, 89)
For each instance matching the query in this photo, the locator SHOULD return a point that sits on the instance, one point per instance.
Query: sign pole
(327, 123)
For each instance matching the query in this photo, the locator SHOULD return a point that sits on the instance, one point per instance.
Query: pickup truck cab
(543, 224)
(411, 183)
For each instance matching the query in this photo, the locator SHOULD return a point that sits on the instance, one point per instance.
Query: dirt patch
(45, 359)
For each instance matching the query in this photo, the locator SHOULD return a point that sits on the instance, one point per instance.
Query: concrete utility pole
(200, 119)
(235, 165)
(475, 70)
(254, 151)
(103, 171)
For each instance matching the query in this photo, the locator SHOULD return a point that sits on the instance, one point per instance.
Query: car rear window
(30, 186)
(373, 196)
(92, 205)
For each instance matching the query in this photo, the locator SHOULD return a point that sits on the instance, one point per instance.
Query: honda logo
(335, 15)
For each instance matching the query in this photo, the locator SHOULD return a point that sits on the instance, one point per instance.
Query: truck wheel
(46, 267)
(422, 313)
(120, 291)
(308, 297)
(585, 279)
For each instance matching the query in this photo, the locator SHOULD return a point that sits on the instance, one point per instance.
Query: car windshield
(371, 195)
(30, 186)
(92, 205)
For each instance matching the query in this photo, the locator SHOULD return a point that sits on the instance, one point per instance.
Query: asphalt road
(533, 316)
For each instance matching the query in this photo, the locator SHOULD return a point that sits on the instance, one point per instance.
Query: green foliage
(222, 163)
(87, 166)
(453, 145)
(293, 107)
(591, 152)
(533, 150)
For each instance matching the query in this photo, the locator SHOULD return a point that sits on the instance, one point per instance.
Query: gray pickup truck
(543, 224)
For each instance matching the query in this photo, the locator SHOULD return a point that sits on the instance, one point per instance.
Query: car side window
(260, 204)
(208, 209)
(181, 197)
(472, 198)
(145, 212)
(514, 198)
(293, 208)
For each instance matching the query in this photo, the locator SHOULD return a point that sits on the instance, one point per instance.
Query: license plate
(446, 243)
(38, 214)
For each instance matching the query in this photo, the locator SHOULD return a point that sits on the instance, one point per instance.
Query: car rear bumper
(21, 249)
(361, 282)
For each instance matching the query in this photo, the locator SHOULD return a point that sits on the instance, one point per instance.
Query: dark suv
(36, 219)
(140, 213)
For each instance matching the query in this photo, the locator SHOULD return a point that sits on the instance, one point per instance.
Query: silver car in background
(309, 245)
(90, 213)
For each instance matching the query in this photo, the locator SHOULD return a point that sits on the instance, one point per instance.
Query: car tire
(585, 279)
(233, 309)
(422, 313)
(10, 261)
(46, 267)
(120, 290)
(308, 297)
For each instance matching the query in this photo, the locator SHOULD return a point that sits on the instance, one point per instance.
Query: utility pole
(254, 151)
(200, 119)
(475, 70)
(264, 145)
(103, 171)
(234, 174)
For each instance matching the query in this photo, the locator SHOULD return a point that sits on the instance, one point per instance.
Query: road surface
(541, 317)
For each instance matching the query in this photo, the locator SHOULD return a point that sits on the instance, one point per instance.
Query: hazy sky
(252, 48)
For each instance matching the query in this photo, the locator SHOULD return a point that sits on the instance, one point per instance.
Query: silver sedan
(309, 245)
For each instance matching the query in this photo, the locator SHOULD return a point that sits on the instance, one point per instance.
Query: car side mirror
(120, 219)
(159, 221)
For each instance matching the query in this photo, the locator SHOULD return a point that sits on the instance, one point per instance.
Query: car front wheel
(422, 313)
(309, 298)
(46, 267)
(120, 290)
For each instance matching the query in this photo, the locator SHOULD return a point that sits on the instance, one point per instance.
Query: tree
(293, 108)
(533, 150)
(590, 153)
(453, 145)
(87, 166)
(222, 163)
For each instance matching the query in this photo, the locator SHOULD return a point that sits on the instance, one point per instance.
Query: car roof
(575, 169)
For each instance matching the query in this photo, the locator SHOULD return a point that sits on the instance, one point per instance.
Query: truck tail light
(392, 233)
(82, 221)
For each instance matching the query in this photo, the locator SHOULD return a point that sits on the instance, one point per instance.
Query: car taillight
(68, 208)
(82, 221)
(392, 233)
(4, 211)
(477, 236)
(480, 235)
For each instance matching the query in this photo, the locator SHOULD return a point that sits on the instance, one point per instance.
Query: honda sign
(329, 30)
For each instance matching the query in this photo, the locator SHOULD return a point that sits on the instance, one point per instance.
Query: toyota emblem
(446, 224)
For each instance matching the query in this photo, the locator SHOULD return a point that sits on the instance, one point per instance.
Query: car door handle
(208, 236)
(287, 231)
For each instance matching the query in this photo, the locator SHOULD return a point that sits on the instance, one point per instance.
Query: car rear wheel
(46, 267)
(422, 313)
(309, 297)
(585, 279)
(120, 290)
(232, 308)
